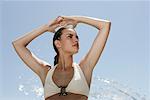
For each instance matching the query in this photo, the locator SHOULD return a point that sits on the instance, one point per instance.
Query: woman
(66, 80)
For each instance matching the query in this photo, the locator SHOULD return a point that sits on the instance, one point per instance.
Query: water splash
(112, 90)
(105, 90)
(31, 86)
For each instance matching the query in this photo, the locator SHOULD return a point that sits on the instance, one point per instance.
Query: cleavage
(62, 78)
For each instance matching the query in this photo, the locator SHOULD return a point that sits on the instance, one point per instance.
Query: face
(69, 42)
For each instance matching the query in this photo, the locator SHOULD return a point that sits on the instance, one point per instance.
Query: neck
(65, 61)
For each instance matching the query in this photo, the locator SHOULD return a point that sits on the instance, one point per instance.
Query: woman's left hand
(69, 20)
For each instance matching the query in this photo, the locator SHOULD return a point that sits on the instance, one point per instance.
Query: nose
(75, 39)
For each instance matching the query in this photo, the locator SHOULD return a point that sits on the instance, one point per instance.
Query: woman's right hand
(52, 25)
(70, 20)
(61, 21)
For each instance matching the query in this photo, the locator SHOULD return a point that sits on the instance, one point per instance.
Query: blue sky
(125, 58)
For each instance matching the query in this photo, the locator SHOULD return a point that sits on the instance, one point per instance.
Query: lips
(76, 45)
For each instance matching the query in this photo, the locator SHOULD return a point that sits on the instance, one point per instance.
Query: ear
(57, 43)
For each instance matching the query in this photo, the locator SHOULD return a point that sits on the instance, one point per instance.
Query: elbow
(110, 23)
(15, 44)
(107, 24)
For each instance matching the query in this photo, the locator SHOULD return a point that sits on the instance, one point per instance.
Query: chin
(75, 51)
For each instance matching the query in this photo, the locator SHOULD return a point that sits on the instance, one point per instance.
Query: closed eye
(70, 36)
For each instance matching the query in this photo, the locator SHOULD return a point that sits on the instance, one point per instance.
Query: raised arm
(91, 58)
(37, 65)
(94, 53)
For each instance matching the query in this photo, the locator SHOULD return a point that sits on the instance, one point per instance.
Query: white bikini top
(77, 85)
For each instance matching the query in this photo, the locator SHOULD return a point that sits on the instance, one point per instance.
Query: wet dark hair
(57, 36)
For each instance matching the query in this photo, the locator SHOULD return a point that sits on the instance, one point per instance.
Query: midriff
(70, 96)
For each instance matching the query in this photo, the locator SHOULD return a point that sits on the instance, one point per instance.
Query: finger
(56, 21)
(63, 22)
(65, 17)
(62, 16)
(59, 18)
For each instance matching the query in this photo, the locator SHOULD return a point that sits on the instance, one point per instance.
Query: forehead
(69, 31)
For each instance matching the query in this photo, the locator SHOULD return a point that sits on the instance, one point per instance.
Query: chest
(62, 78)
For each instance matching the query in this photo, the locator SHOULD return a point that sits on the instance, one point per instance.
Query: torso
(63, 78)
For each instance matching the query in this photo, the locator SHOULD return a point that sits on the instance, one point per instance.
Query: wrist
(78, 19)
(45, 27)
(81, 19)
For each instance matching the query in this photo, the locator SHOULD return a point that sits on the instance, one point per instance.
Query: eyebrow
(71, 34)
